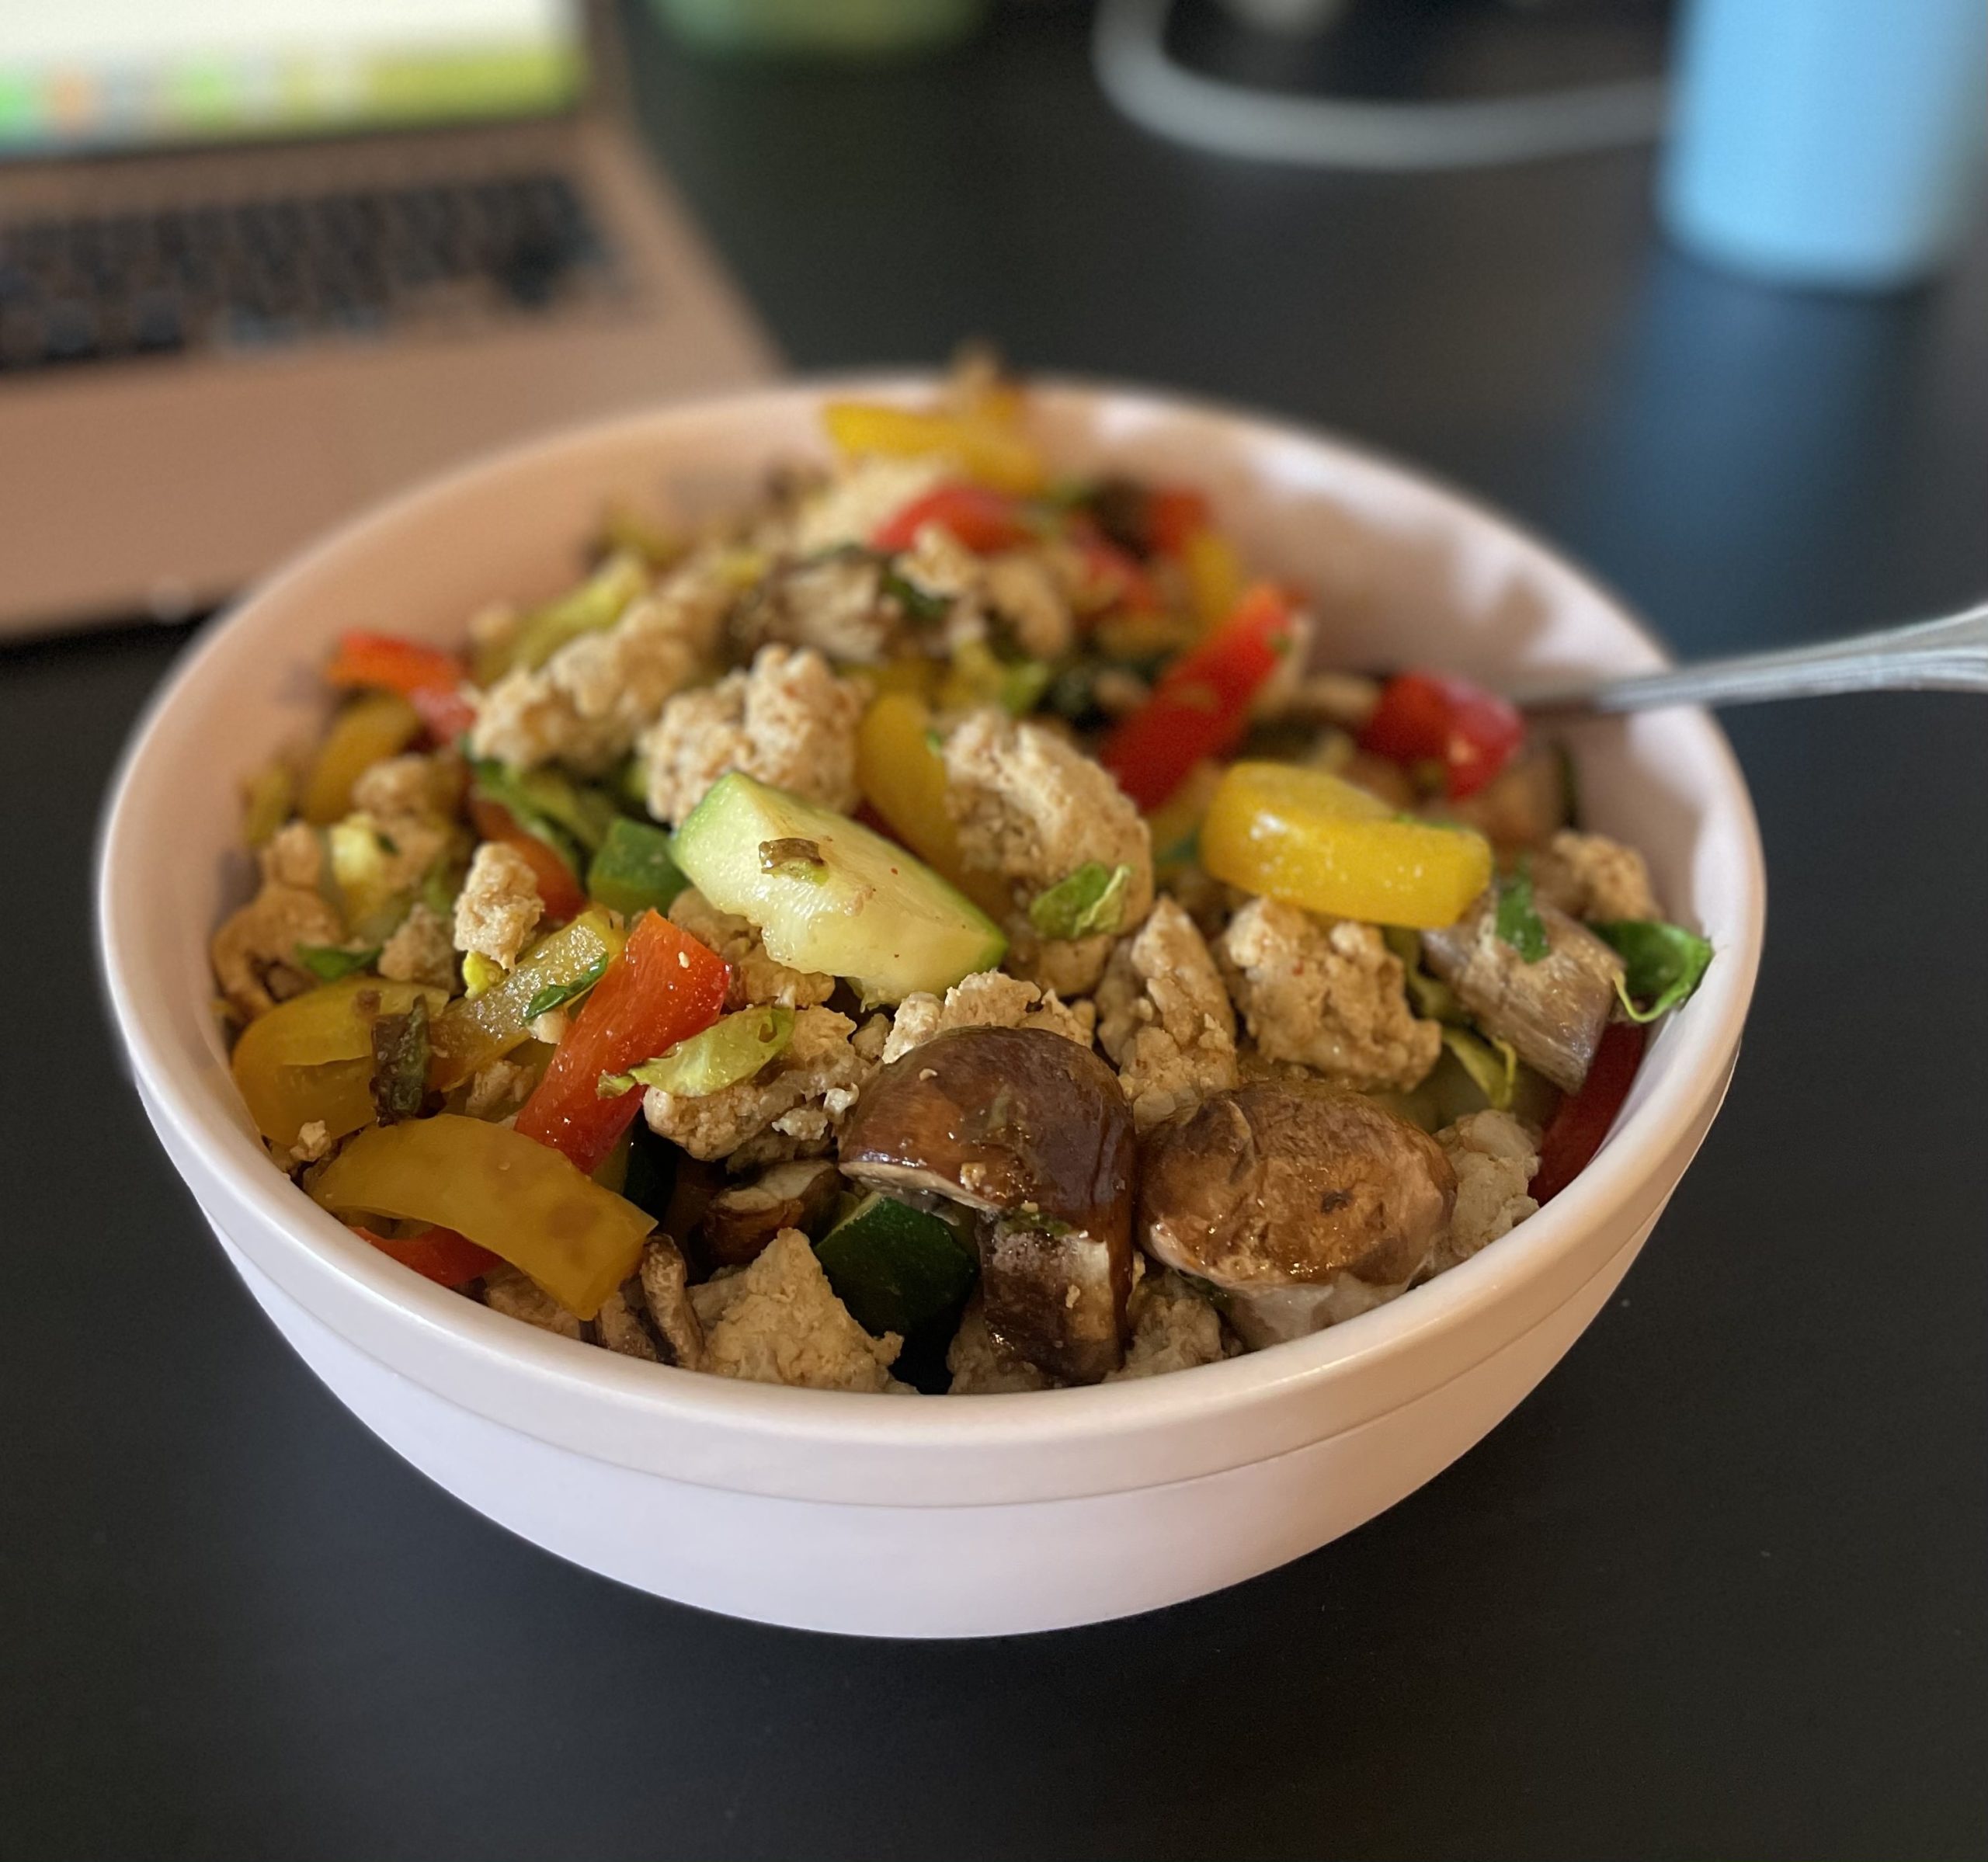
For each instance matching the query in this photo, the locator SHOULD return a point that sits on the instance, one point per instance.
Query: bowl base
(955, 1570)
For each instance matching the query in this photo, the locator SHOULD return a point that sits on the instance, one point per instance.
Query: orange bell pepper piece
(428, 678)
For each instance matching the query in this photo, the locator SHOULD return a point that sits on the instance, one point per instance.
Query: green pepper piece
(633, 871)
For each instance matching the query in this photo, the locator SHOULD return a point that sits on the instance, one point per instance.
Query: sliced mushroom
(507, 1290)
(665, 1286)
(622, 1323)
(1299, 1204)
(738, 1221)
(1552, 1010)
(649, 1315)
(1031, 1132)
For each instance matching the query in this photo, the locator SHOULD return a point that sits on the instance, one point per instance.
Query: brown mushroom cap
(1301, 1202)
(1030, 1130)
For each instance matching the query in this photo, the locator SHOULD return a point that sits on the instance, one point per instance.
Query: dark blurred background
(1717, 1588)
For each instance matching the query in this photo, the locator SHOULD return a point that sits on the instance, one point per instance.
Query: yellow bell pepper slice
(1313, 841)
(992, 451)
(505, 1192)
(267, 799)
(1215, 578)
(376, 724)
(903, 779)
(310, 1059)
(477, 1029)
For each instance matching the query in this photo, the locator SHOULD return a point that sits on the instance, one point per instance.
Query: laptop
(261, 263)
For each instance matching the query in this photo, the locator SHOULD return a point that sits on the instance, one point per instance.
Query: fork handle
(1947, 655)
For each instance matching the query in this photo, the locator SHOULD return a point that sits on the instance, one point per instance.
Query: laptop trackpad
(119, 494)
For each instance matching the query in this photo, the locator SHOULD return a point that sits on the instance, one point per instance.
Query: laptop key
(157, 325)
(249, 273)
(70, 332)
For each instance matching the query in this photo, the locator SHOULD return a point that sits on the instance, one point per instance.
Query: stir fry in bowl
(936, 929)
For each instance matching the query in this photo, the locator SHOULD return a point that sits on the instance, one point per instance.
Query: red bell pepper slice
(439, 1255)
(664, 987)
(982, 520)
(1426, 717)
(1173, 515)
(429, 678)
(1574, 1134)
(444, 710)
(1200, 706)
(558, 885)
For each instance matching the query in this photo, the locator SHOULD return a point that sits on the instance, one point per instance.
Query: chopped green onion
(731, 1049)
(329, 963)
(1492, 1065)
(793, 857)
(572, 817)
(1434, 999)
(1089, 900)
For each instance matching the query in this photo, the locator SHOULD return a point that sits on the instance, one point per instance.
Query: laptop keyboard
(252, 274)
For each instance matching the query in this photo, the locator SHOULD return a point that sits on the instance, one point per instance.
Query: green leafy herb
(794, 857)
(1493, 1064)
(733, 1048)
(1089, 900)
(1662, 964)
(329, 962)
(1519, 923)
(921, 604)
(557, 995)
(400, 1062)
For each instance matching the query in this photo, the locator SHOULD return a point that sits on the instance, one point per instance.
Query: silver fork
(1947, 655)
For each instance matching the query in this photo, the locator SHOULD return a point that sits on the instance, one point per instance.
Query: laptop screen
(111, 74)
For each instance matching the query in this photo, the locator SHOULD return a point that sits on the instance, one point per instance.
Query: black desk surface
(1718, 1587)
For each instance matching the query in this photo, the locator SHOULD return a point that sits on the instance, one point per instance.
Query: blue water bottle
(1834, 143)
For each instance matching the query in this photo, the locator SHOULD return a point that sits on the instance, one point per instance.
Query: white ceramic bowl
(900, 1516)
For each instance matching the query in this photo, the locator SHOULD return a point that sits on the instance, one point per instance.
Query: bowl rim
(1702, 1044)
